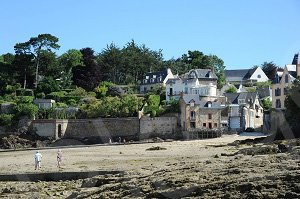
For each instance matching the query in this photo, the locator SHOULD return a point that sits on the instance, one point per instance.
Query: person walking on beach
(37, 158)
(59, 157)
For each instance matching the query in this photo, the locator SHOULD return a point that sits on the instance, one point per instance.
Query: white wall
(260, 72)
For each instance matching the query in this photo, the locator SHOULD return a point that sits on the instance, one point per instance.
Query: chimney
(296, 61)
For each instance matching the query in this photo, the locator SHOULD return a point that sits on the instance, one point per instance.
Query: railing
(192, 118)
(173, 93)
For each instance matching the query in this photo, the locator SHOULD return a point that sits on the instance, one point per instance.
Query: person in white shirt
(37, 158)
(59, 158)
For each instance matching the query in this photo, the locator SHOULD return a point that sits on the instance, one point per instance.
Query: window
(147, 77)
(193, 125)
(286, 90)
(278, 103)
(258, 76)
(277, 92)
(171, 91)
(186, 90)
(209, 116)
(192, 104)
(193, 115)
(204, 125)
(208, 104)
(215, 125)
(210, 125)
(286, 78)
(145, 81)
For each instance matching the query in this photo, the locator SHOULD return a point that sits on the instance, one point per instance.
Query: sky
(243, 33)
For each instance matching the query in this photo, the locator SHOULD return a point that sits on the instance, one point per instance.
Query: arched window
(286, 78)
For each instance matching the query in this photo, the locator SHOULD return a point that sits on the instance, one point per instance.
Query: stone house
(244, 111)
(155, 79)
(199, 113)
(283, 81)
(201, 82)
(44, 103)
(244, 76)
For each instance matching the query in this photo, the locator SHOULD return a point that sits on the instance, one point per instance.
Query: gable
(259, 75)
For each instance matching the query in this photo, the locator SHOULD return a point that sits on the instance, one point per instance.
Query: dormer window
(154, 76)
(147, 77)
(241, 101)
(209, 104)
(192, 104)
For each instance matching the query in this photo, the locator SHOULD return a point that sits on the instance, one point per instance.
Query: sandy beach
(181, 169)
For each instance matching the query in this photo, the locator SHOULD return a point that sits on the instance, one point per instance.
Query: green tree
(87, 76)
(69, 60)
(266, 104)
(35, 46)
(269, 69)
(111, 60)
(231, 89)
(292, 104)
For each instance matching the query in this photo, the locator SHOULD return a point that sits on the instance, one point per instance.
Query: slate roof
(155, 76)
(232, 98)
(263, 92)
(190, 97)
(201, 74)
(172, 80)
(239, 75)
(201, 103)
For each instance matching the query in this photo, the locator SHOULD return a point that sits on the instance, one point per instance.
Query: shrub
(29, 110)
(40, 95)
(6, 119)
(24, 92)
(57, 96)
(231, 89)
(24, 99)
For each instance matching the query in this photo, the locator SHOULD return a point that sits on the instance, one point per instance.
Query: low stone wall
(102, 129)
(158, 126)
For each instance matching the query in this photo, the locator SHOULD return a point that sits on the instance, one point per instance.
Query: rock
(156, 148)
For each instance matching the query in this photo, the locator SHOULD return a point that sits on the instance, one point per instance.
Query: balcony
(192, 118)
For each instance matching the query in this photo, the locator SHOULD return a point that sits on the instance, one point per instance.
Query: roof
(296, 59)
(188, 98)
(290, 67)
(155, 76)
(201, 74)
(232, 98)
(239, 75)
(172, 80)
(263, 92)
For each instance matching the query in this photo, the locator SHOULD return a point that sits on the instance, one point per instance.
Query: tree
(269, 69)
(292, 104)
(35, 46)
(231, 89)
(89, 75)
(266, 104)
(67, 61)
(217, 65)
(111, 60)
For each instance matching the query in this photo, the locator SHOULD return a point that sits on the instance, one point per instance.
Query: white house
(246, 75)
(151, 80)
(202, 82)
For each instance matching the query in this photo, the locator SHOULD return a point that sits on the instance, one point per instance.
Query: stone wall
(159, 126)
(104, 128)
(45, 128)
